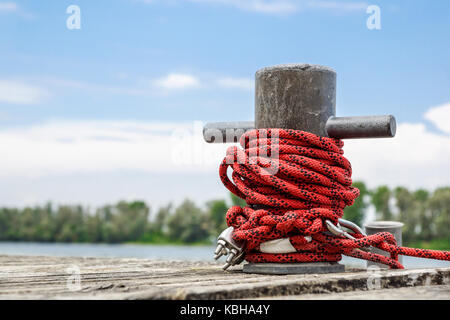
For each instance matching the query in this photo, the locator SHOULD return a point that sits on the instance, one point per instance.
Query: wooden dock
(39, 277)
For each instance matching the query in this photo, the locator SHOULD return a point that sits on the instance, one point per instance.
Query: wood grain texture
(38, 277)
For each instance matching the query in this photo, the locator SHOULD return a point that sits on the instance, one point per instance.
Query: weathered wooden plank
(441, 292)
(36, 277)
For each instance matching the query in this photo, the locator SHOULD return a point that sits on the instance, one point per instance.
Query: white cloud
(55, 161)
(414, 158)
(175, 81)
(27, 92)
(21, 93)
(236, 83)
(66, 147)
(134, 89)
(440, 117)
(261, 6)
(277, 7)
(337, 6)
(8, 7)
(272, 7)
(98, 162)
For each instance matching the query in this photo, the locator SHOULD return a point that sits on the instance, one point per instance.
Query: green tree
(133, 216)
(425, 216)
(108, 228)
(189, 223)
(69, 224)
(408, 213)
(381, 197)
(157, 230)
(357, 211)
(439, 205)
(216, 210)
(43, 223)
(9, 224)
(236, 201)
(126, 221)
(28, 222)
(162, 216)
(93, 227)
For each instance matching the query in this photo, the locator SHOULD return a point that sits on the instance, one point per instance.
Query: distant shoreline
(143, 243)
(435, 244)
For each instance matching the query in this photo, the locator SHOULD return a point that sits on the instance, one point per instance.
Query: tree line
(426, 216)
(119, 223)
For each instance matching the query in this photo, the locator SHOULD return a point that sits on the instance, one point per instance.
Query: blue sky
(155, 62)
(402, 68)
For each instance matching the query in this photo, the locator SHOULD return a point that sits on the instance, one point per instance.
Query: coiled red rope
(293, 181)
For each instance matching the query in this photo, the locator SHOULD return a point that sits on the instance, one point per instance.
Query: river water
(160, 252)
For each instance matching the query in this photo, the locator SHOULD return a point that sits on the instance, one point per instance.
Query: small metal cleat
(338, 231)
(220, 251)
(352, 226)
(227, 246)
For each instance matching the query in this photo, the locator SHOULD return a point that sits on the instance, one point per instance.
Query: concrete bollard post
(393, 227)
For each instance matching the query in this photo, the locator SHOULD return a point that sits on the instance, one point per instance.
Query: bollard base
(293, 268)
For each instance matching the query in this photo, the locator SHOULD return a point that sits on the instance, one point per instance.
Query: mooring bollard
(393, 227)
(299, 97)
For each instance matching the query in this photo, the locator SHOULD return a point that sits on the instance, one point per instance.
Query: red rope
(299, 180)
